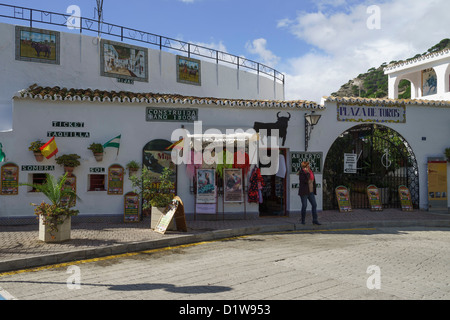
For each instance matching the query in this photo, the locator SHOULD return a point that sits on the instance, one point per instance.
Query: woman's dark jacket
(303, 189)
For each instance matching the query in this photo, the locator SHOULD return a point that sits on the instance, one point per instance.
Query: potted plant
(69, 162)
(133, 167)
(447, 154)
(97, 150)
(156, 195)
(55, 217)
(35, 147)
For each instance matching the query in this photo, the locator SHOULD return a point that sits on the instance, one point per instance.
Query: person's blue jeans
(312, 199)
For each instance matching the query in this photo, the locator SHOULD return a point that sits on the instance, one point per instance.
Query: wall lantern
(310, 121)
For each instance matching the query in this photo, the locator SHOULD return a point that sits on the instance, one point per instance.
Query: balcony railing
(33, 16)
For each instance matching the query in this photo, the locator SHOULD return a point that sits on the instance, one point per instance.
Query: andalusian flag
(2, 154)
(113, 143)
(177, 145)
(49, 149)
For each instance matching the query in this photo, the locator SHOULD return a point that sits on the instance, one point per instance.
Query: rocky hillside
(374, 83)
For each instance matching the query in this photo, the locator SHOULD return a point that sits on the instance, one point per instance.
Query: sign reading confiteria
(364, 113)
(165, 114)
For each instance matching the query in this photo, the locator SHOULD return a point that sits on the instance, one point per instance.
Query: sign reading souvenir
(405, 198)
(131, 207)
(166, 114)
(174, 209)
(70, 184)
(124, 61)
(233, 188)
(189, 70)
(360, 113)
(115, 179)
(314, 159)
(374, 198)
(437, 184)
(37, 45)
(10, 179)
(350, 162)
(343, 199)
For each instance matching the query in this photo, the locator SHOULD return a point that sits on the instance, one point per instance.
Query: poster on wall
(115, 179)
(437, 184)
(10, 179)
(374, 198)
(189, 70)
(156, 162)
(405, 198)
(131, 207)
(206, 186)
(429, 82)
(37, 45)
(343, 199)
(233, 185)
(123, 61)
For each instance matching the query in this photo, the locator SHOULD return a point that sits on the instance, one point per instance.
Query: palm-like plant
(61, 199)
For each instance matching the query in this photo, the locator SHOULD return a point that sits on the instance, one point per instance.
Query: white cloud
(345, 46)
(265, 56)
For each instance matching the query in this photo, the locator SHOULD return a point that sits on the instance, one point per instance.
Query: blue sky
(318, 45)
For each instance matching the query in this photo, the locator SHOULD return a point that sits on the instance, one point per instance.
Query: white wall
(80, 68)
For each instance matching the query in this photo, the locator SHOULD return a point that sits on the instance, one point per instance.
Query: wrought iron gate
(384, 158)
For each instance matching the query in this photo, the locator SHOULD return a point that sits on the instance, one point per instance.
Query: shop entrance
(370, 154)
(274, 191)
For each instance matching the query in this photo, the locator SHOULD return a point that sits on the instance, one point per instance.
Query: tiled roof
(421, 59)
(371, 101)
(64, 94)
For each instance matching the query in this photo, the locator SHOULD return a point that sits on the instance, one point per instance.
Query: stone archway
(384, 158)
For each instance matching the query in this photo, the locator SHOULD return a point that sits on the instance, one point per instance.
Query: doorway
(274, 190)
(381, 157)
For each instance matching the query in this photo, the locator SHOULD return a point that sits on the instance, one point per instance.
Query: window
(37, 178)
(97, 182)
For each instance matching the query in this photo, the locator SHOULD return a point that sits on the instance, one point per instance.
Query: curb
(85, 254)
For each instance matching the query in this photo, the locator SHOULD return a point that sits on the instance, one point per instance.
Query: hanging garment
(255, 186)
(241, 161)
(281, 167)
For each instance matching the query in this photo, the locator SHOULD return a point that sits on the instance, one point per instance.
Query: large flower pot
(63, 233)
(98, 156)
(39, 156)
(157, 213)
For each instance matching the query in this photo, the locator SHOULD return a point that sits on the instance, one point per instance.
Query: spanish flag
(49, 149)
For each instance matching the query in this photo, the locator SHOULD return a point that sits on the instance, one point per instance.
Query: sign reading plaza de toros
(361, 113)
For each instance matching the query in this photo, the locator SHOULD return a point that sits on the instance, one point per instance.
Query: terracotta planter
(39, 156)
(132, 171)
(157, 213)
(69, 170)
(98, 156)
(63, 233)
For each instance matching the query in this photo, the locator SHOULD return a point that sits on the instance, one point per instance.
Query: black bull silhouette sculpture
(281, 125)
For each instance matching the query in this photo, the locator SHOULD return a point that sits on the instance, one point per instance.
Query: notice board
(374, 198)
(343, 199)
(174, 210)
(131, 207)
(405, 198)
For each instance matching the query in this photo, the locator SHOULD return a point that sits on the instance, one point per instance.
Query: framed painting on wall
(37, 45)
(189, 71)
(429, 82)
(123, 61)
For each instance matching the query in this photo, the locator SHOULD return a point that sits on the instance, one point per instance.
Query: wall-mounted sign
(66, 124)
(437, 184)
(361, 113)
(165, 114)
(314, 159)
(97, 170)
(350, 162)
(127, 81)
(131, 207)
(37, 168)
(61, 134)
(9, 179)
(374, 198)
(115, 179)
(343, 199)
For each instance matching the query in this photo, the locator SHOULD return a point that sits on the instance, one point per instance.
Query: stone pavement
(21, 249)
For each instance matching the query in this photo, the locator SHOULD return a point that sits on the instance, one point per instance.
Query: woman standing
(307, 191)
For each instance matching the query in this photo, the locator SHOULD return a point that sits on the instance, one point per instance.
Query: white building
(78, 100)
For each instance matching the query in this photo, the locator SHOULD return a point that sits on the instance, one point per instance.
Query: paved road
(370, 264)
